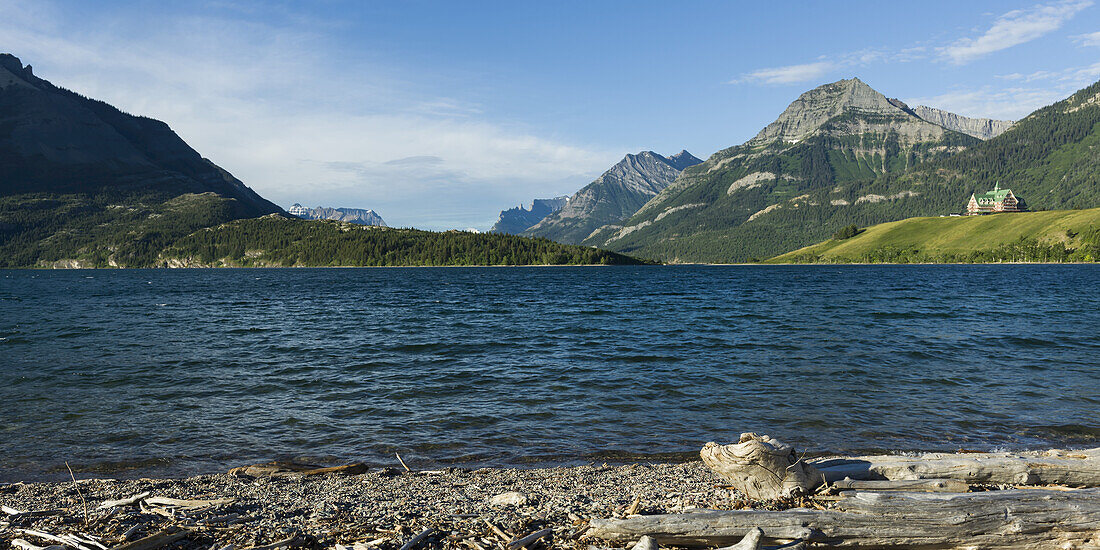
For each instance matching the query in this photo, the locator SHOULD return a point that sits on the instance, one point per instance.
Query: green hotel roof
(996, 194)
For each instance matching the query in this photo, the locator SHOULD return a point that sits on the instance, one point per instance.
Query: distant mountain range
(84, 184)
(844, 154)
(517, 220)
(614, 196)
(352, 215)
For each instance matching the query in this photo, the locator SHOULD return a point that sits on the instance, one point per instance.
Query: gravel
(380, 509)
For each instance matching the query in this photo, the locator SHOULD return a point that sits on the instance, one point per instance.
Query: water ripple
(167, 372)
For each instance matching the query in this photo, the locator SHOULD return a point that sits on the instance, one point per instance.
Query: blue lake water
(170, 372)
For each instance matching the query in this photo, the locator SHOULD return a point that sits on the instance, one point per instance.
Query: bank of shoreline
(387, 506)
(1046, 498)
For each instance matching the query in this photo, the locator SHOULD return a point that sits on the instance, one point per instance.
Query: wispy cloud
(1013, 28)
(1091, 39)
(1068, 79)
(788, 75)
(267, 102)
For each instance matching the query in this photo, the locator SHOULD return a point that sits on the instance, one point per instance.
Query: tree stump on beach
(762, 468)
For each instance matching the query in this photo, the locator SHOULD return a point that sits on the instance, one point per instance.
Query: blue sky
(441, 114)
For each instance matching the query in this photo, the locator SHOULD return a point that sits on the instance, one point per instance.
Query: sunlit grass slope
(1051, 236)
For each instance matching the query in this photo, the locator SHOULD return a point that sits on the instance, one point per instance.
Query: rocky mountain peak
(816, 107)
(12, 71)
(683, 159)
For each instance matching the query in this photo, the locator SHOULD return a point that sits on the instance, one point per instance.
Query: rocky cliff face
(519, 219)
(614, 196)
(981, 128)
(352, 215)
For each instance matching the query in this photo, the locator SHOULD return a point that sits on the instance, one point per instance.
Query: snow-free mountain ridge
(614, 196)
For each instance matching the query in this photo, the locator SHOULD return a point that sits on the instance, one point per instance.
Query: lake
(173, 372)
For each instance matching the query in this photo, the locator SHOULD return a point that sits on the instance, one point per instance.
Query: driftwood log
(762, 468)
(281, 468)
(926, 485)
(1032, 518)
(1054, 467)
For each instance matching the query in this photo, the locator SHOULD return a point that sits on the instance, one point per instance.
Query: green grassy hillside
(1052, 236)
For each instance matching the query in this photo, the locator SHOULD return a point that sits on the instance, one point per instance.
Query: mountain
(517, 220)
(798, 180)
(1050, 236)
(352, 215)
(81, 179)
(981, 128)
(614, 196)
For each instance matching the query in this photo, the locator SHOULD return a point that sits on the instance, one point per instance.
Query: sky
(439, 115)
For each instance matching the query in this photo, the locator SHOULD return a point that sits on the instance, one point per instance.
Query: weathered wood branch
(762, 468)
(926, 485)
(188, 503)
(993, 519)
(1054, 467)
(282, 469)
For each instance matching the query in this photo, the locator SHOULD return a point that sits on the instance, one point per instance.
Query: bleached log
(1033, 518)
(926, 485)
(645, 543)
(751, 541)
(762, 468)
(1053, 467)
(53, 538)
(187, 503)
(25, 545)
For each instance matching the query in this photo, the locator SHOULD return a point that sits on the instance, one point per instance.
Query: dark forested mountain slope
(79, 177)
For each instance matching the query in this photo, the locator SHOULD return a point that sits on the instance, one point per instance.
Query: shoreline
(280, 506)
(385, 505)
(501, 266)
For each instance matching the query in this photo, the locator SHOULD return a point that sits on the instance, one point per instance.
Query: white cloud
(1013, 28)
(790, 74)
(1068, 79)
(1091, 39)
(269, 104)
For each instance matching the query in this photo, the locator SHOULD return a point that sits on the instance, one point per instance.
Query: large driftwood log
(1033, 518)
(1054, 467)
(762, 468)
